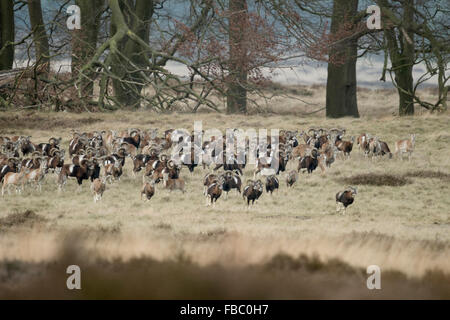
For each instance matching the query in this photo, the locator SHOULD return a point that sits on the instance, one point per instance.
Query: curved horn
(132, 132)
(53, 152)
(311, 129)
(35, 153)
(335, 130)
(90, 150)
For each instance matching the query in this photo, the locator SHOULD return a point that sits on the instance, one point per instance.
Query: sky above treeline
(299, 72)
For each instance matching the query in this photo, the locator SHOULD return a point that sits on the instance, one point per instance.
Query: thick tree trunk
(40, 38)
(237, 79)
(84, 41)
(405, 80)
(6, 34)
(405, 83)
(341, 82)
(128, 86)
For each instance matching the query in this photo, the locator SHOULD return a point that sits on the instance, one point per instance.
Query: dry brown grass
(20, 218)
(34, 120)
(404, 228)
(281, 277)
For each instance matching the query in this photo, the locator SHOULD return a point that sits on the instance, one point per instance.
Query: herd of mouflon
(100, 156)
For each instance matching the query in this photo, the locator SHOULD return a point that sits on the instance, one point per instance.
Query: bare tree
(237, 67)
(401, 48)
(417, 33)
(131, 63)
(337, 44)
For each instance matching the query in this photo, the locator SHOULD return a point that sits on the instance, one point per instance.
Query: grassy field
(403, 228)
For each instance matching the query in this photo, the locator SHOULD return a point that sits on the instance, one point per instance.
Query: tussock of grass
(375, 179)
(443, 138)
(213, 234)
(428, 174)
(114, 229)
(27, 218)
(162, 225)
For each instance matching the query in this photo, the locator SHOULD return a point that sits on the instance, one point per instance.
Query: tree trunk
(84, 41)
(40, 38)
(237, 78)
(405, 83)
(128, 92)
(404, 76)
(6, 34)
(341, 81)
(400, 43)
(443, 89)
